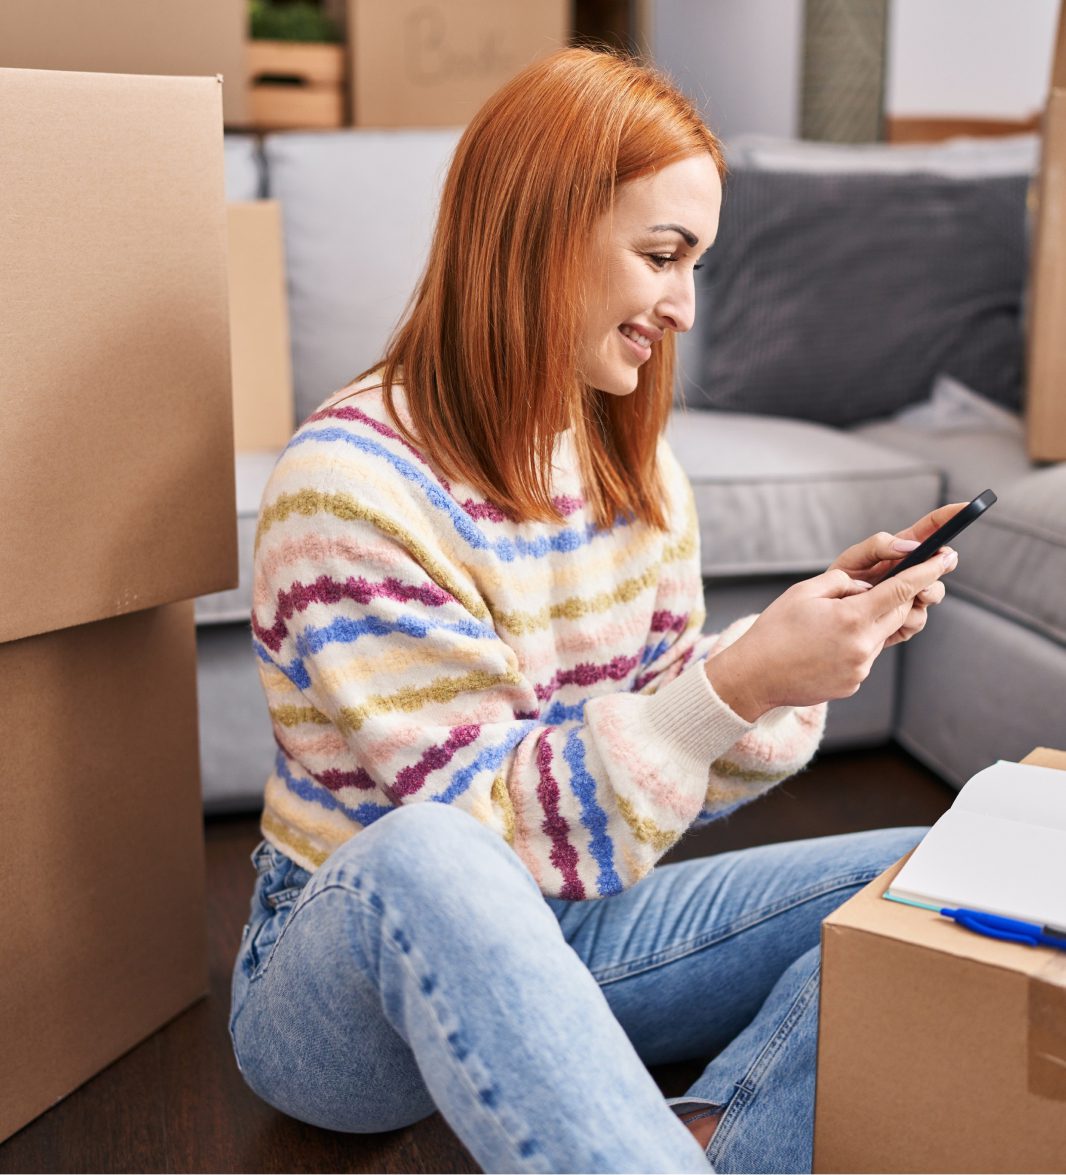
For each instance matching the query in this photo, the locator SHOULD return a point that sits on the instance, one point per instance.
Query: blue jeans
(420, 968)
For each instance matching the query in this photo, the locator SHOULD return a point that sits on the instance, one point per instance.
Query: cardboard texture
(434, 62)
(263, 406)
(101, 849)
(938, 1049)
(1045, 408)
(116, 444)
(116, 477)
(176, 37)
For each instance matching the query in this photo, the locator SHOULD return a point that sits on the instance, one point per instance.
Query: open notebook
(1000, 848)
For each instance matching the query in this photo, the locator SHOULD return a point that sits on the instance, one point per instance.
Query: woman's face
(641, 284)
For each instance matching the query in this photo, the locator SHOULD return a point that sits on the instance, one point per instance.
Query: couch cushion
(252, 471)
(848, 293)
(962, 157)
(1014, 559)
(242, 167)
(358, 209)
(777, 496)
(976, 444)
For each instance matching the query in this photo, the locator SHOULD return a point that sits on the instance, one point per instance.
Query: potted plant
(296, 66)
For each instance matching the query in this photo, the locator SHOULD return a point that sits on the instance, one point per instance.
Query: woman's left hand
(868, 561)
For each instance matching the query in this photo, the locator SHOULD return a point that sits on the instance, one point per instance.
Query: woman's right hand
(818, 640)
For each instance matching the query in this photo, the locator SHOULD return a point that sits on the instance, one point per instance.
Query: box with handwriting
(939, 1049)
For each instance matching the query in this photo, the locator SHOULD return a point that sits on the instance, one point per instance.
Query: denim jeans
(420, 968)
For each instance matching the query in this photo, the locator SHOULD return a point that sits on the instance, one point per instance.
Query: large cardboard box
(434, 62)
(938, 1050)
(116, 479)
(1045, 407)
(183, 37)
(263, 408)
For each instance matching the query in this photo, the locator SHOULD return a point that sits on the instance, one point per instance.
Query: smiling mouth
(634, 334)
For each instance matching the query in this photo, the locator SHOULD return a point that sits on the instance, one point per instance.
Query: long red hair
(487, 351)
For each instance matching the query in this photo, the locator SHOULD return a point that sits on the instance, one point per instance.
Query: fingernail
(905, 545)
(949, 557)
(862, 584)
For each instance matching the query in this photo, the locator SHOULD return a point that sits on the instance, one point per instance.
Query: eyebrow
(689, 237)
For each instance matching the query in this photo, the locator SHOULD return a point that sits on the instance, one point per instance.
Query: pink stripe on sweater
(411, 779)
(319, 550)
(554, 825)
(586, 674)
(326, 590)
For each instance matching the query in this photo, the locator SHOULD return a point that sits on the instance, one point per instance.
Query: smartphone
(947, 532)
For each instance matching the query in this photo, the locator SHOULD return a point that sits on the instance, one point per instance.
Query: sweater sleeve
(388, 683)
(783, 741)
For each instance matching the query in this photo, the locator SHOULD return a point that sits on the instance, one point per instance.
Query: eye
(661, 260)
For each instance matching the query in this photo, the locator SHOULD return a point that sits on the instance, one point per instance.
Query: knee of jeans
(426, 844)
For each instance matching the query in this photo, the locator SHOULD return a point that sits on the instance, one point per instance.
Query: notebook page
(984, 863)
(1017, 791)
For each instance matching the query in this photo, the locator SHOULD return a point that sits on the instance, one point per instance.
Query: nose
(677, 307)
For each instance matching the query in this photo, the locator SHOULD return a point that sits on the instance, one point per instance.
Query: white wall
(969, 57)
(738, 60)
(741, 60)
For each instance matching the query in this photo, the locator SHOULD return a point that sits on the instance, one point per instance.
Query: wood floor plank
(178, 1103)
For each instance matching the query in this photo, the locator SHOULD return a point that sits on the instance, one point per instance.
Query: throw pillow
(838, 298)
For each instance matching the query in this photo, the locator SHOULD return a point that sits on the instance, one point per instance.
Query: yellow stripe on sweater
(297, 715)
(644, 829)
(523, 623)
(343, 506)
(445, 689)
(290, 838)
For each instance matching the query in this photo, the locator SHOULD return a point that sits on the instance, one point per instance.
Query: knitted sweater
(415, 644)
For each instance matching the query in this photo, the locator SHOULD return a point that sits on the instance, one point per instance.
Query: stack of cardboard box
(117, 492)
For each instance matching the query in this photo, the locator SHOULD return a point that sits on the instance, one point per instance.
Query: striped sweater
(415, 644)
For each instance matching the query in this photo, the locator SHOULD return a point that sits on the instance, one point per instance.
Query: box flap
(116, 441)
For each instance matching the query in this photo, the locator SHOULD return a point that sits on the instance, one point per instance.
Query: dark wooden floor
(177, 1102)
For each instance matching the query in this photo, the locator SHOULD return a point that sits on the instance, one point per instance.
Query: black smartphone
(947, 532)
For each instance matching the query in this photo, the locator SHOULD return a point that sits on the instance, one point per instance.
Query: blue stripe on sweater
(344, 630)
(506, 549)
(593, 816)
(488, 760)
(307, 789)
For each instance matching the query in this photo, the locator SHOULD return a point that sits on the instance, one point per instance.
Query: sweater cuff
(691, 718)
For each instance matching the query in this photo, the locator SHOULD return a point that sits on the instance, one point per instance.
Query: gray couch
(789, 467)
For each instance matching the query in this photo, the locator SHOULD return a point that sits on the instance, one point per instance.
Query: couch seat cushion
(780, 496)
(252, 471)
(1013, 560)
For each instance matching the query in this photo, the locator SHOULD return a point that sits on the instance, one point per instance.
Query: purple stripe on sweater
(645, 678)
(326, 590)
(668, 622)
(410, 779)
(563, 854)
(586, 674)
(378, 426)
(332, 779)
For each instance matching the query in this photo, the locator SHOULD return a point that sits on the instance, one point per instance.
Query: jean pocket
(262, 934)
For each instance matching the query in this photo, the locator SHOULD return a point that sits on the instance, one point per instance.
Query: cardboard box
(116, 474)
(263, 408)
(116, 440)
(939, 1050)
(180, 37)
(1045, 407)
(434, 62)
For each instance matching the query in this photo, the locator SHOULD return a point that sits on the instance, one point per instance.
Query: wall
(740, 60)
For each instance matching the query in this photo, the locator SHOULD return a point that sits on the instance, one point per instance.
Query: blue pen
(1008, 929)
(995, 926)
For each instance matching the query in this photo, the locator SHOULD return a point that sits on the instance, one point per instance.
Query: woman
(478, 615)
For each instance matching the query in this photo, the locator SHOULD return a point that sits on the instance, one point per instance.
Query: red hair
(487, 352)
